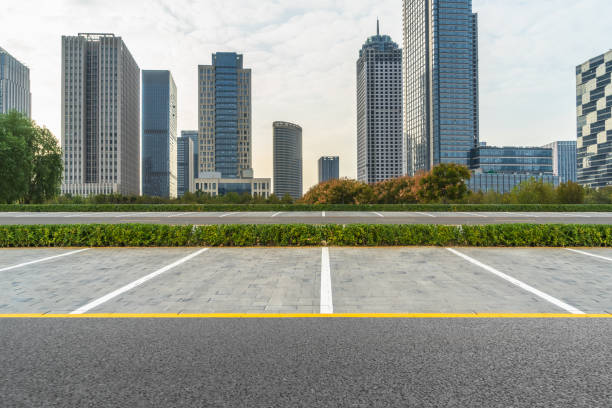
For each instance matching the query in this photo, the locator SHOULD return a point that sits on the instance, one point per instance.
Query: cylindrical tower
(287, 160)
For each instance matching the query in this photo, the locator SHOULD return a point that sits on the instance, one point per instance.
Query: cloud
(303, 55)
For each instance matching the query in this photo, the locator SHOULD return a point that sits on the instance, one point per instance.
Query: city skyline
(297, 80)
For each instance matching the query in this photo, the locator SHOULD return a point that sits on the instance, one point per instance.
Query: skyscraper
(158, 134)
(329, 168)
(225, 116)
(564, 160)
(440, 71)
(224, 151)
(287, 159)
(379, 110)
(193, 135)
(594, 111)
(100, 116)
(184, 166)
(14, 85)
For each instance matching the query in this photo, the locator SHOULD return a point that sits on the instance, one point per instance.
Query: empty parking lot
(305, 281)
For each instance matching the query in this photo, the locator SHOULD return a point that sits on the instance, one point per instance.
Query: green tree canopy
(444, 183)
(30, 161)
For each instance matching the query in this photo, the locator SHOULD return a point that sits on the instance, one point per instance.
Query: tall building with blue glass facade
(14, 85)
(379, 110)
(193, 135)
(225, 116)
(184, 166)
(159, 144)
(564, 160)
(594, 111)
(329, 168)
(440, 73)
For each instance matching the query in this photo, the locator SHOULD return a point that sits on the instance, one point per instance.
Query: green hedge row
(303, 207)
(136, 235)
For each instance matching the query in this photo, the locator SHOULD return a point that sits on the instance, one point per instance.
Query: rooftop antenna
(377, 26)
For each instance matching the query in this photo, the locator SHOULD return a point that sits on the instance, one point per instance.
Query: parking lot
(262, 281)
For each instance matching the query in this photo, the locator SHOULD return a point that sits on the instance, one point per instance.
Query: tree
(570, 193)
(31, 161)
(403, 190)
(534, 192)
(444, 183)
(343, 191)
(287, 199)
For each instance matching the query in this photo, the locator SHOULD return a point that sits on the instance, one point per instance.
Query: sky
(303, 55)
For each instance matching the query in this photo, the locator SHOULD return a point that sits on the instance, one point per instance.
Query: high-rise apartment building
(594, 111)
(193, 135)
(184, 166)
(225, 116)
(14, 85)
(287, 159)
(100, 116)
(159, 150)
(329, 168)
(379, 110)
(440, 73)
(564, 160)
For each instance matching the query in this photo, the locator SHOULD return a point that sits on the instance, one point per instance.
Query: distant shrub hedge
(304, 207)
(298, 235)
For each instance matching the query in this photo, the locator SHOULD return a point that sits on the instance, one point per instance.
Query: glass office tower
(184, 166)
(440, 73)
(329, 168)
(564, 160)
(594, 111)
(158, 134)
(14, 85)
(225, 116)
(193, 135)
(379, 110)
(287, 141)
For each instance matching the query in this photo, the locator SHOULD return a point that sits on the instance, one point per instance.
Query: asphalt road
(204, 218)
(305, 363)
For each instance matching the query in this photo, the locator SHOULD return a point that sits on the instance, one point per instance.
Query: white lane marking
(42, 260)
(379, 214)
(522, 215)
(422, 213)
(178, 215)
(475, 215)
(227, 215)
(276, 215)
(126, 215)
(522, 285)
(327, 306)
(130, 286)
(323, 214)
(588, 254)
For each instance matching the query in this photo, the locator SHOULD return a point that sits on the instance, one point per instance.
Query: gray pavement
(288, 280)
(305, 363)
(211, 218)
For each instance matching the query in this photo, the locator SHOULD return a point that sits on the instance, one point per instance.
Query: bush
(298, 235)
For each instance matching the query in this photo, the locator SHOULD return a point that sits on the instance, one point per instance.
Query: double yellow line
(310, 316)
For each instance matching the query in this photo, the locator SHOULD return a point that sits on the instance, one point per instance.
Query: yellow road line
(309, 316)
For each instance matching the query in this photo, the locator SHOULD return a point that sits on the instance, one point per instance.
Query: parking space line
(522, 285)
(379, 214)
(130, 286)
(522, 215)
(323, 214)
(588, 254)
(227, 215)
(327, 306)
(42, 260)
(429, 215)
(276, 215)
